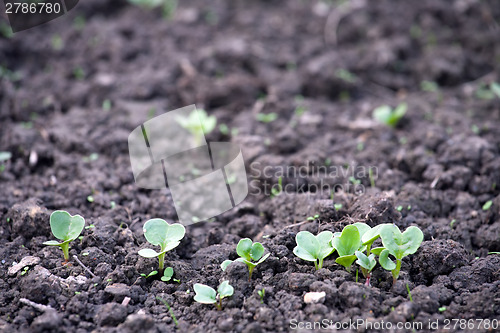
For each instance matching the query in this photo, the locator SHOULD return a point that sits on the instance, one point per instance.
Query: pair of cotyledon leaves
(250, 253)
(65, 227)
(208, 295)
(159, 232)
(354, 239)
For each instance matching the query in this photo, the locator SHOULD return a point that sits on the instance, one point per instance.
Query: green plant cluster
(158, 232)
(354, 244)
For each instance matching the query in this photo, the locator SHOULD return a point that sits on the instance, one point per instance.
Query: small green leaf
(52, 243)
(5, 156)
(377, 250)
(66, 227)
(225, 264)
(348, 242)
(204, 294)
(225, 289)
(371, 235)
(346, 261)
(148, 253)
(385, 262)
(401, 244)
(367, 262)
(262, 259)
(362, 228)
(244, 248)
(487, 205)
(167, 274)
(257, 251)
(159, 232)
(307, 246)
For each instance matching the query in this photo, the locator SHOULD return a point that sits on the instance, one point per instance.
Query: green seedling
(252, 254)
(312, 218)
(398, 245)
(167, 236)
(262, 294)
(367, 264)
(346, 244)
(314, 248)
(153, 273)
(66, 228)
(266, 117)
(487, 205)
(207, 295)
(275, 191)
(386, 115)
(167, 274)
(198, 123)
(337, 206)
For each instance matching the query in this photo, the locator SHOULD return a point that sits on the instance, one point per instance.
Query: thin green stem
(161, 262)
(65, 249)
(316, 265)
(368, 248)
(320, 265)
(219, 304)
(395, 271)
(250, 271)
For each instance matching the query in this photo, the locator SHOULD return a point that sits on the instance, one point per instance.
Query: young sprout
(346, 244)
(266, 117)
(399, 245)
(262, 294)
(367, 264)
(167, 236)
(275, 191)
(198, 123)
(66, 228)
(167, 274)
(153, 273)
(314, 248)
(252, 254)
(386, 115)
(207, 295)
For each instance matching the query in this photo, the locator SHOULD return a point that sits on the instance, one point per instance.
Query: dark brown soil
(235, 59)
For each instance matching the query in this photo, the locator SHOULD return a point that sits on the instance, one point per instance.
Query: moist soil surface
(73, 89)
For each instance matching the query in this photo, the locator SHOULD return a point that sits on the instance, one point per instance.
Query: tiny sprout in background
(386, 115)
(198, 123)
(314, 248)
(66, 228)
(252, 254)
(266, 117)
(487, 205)
(167, 236)
(262, 294)
(276, 190)
(398, 245)
(208, 295)
(153, 273)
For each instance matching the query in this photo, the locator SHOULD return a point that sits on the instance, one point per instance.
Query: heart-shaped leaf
(225, 289)
(401, 244)
(362, 228)
(204, 294)
(159, 232)
(377, 250)
(244, 248)
(348, 242)
(307, 246)
(66, 227)
(385, 262)
(167, 274)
